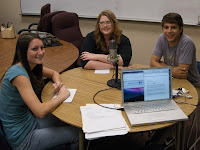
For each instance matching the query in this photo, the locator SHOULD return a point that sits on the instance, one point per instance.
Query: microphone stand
(115, 83)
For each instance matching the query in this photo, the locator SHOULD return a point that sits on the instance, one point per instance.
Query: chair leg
(81, 140)
(88, 144)
(194, 143)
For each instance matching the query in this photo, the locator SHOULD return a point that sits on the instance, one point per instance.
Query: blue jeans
(50, 132)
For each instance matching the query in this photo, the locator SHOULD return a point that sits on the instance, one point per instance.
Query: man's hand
(179, 72)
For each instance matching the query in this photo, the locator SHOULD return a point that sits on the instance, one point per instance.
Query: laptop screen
(146, 84)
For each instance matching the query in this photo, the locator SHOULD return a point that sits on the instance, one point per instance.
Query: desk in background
(87, 84)
(57, 58)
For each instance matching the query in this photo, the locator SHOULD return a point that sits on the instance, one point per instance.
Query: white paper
(70, 98)
(102, 71)
(100, 122)
(113, 132)
(100, 119)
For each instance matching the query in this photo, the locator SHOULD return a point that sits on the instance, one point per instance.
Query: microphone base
(112, 83)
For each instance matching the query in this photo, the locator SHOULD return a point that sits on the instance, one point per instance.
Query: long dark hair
(21, 56)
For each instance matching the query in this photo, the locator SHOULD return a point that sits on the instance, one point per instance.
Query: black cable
(106, 90)
(103, 105)
(185, 102)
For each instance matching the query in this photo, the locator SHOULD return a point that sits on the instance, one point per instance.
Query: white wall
(142, 10)
(143, 35)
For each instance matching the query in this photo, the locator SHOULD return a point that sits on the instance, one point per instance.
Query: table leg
(81, 139)
(178, 134)
(183, 135)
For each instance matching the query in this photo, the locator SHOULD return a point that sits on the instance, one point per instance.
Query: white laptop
(147, 96)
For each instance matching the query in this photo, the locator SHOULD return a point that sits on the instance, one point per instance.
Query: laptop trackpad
(149, 117)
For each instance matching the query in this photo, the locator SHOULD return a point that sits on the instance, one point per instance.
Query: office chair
(44, 24)
(44, 10)
(65, 26)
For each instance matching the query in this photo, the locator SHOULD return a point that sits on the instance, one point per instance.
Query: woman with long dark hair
(28, 123)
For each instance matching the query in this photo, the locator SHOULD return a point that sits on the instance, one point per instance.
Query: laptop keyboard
(152, 107)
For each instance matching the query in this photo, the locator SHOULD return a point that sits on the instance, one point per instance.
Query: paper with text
(100, 119)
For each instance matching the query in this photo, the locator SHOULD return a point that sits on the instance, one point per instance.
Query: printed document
(99, 121)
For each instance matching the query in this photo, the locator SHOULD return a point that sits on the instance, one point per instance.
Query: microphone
(113, 52)
(113, 58)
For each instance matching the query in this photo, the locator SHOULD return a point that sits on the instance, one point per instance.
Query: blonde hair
(117, 32)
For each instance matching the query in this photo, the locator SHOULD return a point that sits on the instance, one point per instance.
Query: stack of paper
(100, 122)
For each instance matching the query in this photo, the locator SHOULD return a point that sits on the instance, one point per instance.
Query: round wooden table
(57, 58)
(87, 84)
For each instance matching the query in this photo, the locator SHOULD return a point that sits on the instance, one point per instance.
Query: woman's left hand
(57, 86)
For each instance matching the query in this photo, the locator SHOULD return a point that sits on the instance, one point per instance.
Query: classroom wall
(143, 35)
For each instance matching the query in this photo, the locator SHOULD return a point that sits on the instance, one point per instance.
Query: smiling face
(172, 33)
(35, 53)
(105, 26)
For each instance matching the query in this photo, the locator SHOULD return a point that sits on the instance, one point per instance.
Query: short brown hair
(173, 18)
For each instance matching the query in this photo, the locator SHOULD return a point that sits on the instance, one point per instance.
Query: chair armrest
(29, 30)
(32, 24)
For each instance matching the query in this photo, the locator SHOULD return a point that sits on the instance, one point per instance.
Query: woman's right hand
(63, 93)
(87, 56)
(57, 86)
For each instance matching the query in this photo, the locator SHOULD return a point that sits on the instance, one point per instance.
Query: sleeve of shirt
(88, 45)
(158, 47)
(125, 50)
(15, 71)
(187, 52)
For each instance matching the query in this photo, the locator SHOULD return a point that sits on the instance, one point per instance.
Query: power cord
(120, 108)
(184, 102)
(182, 92)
